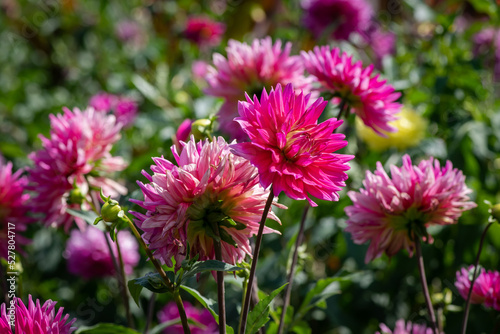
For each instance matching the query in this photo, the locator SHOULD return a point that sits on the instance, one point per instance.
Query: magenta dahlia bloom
(290, 149)
(75, 160)
(124, 108)
(413, 198)
(88, 254)
(209, 188)
(371, 99)
(405, 328)
(13, 207)
(202, 316)
(338, 18)
(35, 319)
(204, 31)
(486, 288)
(250, 68)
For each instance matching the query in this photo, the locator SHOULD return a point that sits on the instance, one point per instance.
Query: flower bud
(110, 211)
(495, 212)
(201, 128)
(76, 196)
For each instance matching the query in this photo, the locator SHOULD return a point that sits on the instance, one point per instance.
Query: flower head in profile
(410, 127)
(204, 31)
(388, 211)
(372, 99)
(36, 318)
(88, 254)
(210, 191)
(75, 160)
(486, 288)
(13, 207)
(250, 68)
(338, 18)
(205, 320)
(403, 327)
(289, 148)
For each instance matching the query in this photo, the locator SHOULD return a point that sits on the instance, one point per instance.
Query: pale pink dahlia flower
(35, 319)
(290, 149)
(369, 97)
(204, 31)
(88, 254)
(170, 312)
(73, 162)
(250, 68)
(405, 328)
(389, 210)
(209, 188)
(13, 208)
(124, 108)
(486, 288)
(338, 18)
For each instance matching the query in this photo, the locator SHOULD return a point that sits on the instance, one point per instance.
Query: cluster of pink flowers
(290, 149)
(372, 99)
(206, 321)
(13, 207)
(250, 68)
(124, 108)
(204, 31)
(36, 318)
(403, 327)
(486, 288)
(390, 209)
(73, 162)
(209, 188)
(88, 254)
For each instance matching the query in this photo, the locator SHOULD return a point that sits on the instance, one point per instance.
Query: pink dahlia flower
(131, 33)
(204, 31)
(13, 207)
(124, 108)
(207, 323)
(486, 286)
(74, 161)
(35, 319)
(290, 149)
(386, 209)
(338, 18)
(209, 188)
(370, 98)
(88, 254)
(405, 328)
(250, 68)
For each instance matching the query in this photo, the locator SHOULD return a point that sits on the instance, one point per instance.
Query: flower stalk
(220, 283)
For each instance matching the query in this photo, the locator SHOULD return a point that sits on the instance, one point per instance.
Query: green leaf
(159, 328)
(88, 216)
(209, 265)
(259, 316)
(302, 328)
(135, 290)
(207, 303)
(152, 281)
(323, 289)
(105, 328)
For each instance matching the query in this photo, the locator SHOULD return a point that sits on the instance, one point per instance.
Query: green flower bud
(495, 212)
(76, 196)
(201, 128)
(110, 211)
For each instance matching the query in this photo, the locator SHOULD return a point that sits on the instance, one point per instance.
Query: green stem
(467, 304)
(288, 291)
(425, 288)
(182, 312)
(220, 286)
(124, 286)
(248, 295)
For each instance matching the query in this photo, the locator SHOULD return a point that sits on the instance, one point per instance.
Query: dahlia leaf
(323, 289)
(152, 281)
(209, 265)
(259, 316)
(207, 303)
(135, 290)
(105, 328)
(88, 216)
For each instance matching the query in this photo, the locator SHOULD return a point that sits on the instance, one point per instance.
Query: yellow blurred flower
(411, 130)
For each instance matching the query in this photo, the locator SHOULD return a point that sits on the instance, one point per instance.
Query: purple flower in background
(36, 318)
(131, 33)
(124, 108)
(486, 286)
(338, 18)
(13, 207)
(202, 316)
(403, 327)
(204, 31)
(382, 42)
(88, 254)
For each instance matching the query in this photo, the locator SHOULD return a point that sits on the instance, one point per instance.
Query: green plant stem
(467, 304)
(288, 291)
(220, 286)
(248, 295)
(124, 286)
(425, 288)
(182, 312)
